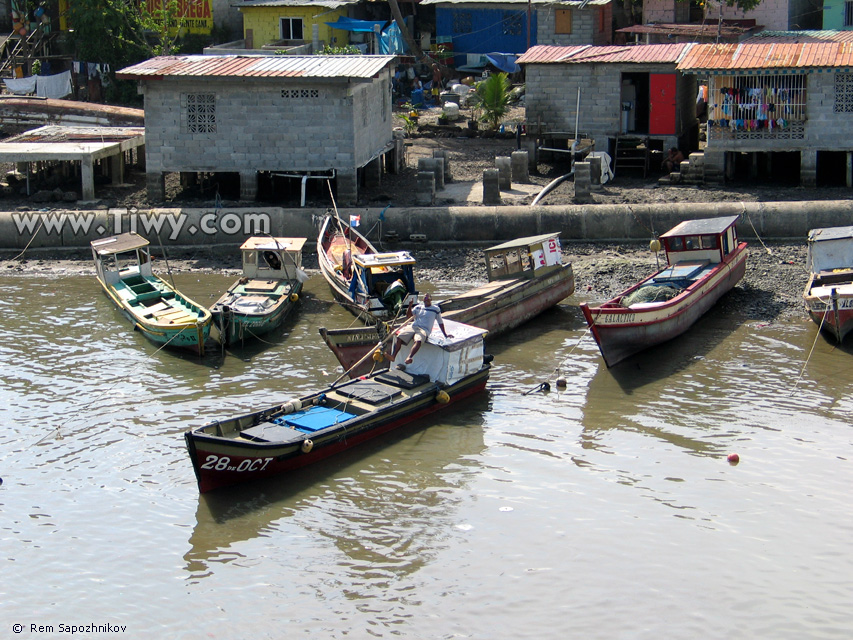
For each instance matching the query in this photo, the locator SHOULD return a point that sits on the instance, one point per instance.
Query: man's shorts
(408, 332)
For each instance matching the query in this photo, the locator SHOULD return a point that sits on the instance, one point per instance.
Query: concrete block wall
(372, 118)
(257, 127)
(772, 14)
(585, 26)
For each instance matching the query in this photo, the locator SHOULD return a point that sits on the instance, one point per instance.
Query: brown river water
(604, 510)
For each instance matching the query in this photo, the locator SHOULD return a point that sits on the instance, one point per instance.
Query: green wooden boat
(260, 300)
(156, 308)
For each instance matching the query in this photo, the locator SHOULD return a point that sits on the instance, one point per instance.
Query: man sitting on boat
(425, 315)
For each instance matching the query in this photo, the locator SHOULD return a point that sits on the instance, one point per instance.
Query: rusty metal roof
(244, 66)
(802, 36)
(762, 55)
(709, 30)
(327, 4)
(569, 4)
(635, 54)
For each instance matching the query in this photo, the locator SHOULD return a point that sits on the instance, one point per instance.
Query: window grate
(300, 94)
(756, 103)
(201, 112)
(843, 92)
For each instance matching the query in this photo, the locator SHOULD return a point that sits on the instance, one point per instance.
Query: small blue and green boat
(260, 300)
(156, 308)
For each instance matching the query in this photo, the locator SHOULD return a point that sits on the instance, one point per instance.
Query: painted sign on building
(193, 16)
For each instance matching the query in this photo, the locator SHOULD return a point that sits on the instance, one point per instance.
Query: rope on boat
(809, 357)
(20, 255)
(107, 390)
(745, 213)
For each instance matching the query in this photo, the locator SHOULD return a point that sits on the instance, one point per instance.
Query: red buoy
(733, 458)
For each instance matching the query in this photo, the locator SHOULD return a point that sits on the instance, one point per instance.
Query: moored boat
(374, 286)
(526, 277)
(704, 261)
(155, 307)
(293, 434)
(270, 286)
(828, 295)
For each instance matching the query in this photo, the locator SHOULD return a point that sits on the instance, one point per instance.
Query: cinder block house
(624, 91)
(318, 115)
(779, 104)
(772, 14)
(291, 22)
(485, 26)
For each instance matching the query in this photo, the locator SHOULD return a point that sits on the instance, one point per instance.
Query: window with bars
(843, 93)
(290, 28)
(512, 24)
(848, 14)
(462, 22)
(299, 94)
(201, 112)
(757, 102)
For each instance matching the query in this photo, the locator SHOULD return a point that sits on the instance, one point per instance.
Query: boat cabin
(524, 257)
(831, 250)
(447, 360)
(386, 278)
(267, 258)
(125, 257)
(706, 241)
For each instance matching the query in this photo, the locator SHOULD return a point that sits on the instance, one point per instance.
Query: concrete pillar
(436, 166)
(315, 39)
(504, 167)
(441, 153)
(87, 178)
(849, 173)
(582, 183)
(396, 158)
(491, 187)
(155, 183)
(140, 157)
(347, 187)
(594, 172)
(373, 173)
(808, 168)
(248, 186)
(520, 167)
(425, 191)
(530, 144)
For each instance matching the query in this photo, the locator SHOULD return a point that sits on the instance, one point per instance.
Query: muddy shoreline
(772, 287)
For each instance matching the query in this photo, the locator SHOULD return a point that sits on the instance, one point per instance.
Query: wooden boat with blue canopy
(704, 261)
(268, 290)
(289, 435)
(156, 308)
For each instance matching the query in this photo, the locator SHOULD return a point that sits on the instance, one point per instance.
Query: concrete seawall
(476, 225)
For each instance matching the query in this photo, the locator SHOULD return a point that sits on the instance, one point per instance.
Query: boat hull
(180, 335)
(497, 307)
(831, 311)
(621, 332)
(220, 462)
(236, 326)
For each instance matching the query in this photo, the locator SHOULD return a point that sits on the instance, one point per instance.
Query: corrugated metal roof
(756, 55)
(326, 4)
(241, 66)
(636, 54)
(802, 36)
(521, 2)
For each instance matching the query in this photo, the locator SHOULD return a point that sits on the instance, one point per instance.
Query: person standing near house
(425, 315)
(436, 82)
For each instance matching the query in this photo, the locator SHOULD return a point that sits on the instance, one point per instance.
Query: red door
(662, 104)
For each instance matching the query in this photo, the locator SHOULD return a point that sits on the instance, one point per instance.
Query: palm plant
(493, 96)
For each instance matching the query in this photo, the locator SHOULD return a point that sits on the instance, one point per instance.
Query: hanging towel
(21, 86)
(55, 86)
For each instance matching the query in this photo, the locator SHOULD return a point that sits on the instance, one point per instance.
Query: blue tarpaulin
(351, 24)
(503, 62)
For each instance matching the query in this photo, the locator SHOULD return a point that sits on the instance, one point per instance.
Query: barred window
(848, 14)
(300, 94)
(201, 113)
(462, 22)
(843, 93)
(512, 24)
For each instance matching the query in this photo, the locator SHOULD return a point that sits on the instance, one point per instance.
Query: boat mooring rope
(20, 255)
(809, 357)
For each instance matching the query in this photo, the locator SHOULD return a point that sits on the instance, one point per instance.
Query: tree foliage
(493, 96)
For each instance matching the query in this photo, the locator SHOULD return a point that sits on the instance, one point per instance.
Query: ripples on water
(605, 509)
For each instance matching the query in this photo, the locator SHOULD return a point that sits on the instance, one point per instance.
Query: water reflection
(383, 503)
